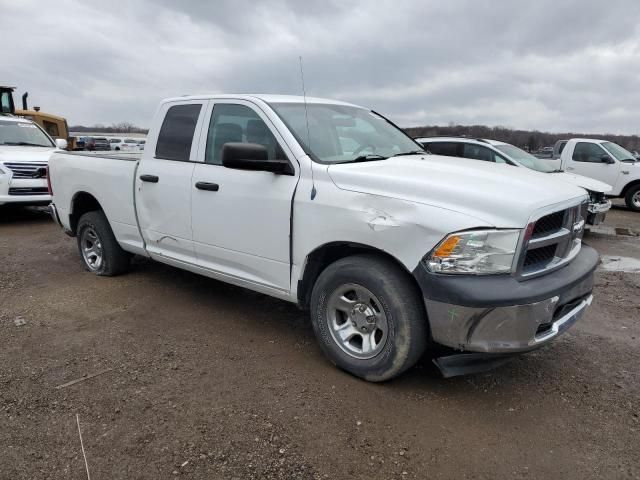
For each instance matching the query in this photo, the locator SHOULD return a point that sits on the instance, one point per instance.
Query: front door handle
(149, 178)
(211, 187)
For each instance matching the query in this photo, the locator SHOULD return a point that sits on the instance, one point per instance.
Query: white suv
(505, 153)
(25, 149)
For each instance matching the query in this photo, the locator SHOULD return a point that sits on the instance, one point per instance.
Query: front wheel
(368, 317)
(632, 198)
(99, 249)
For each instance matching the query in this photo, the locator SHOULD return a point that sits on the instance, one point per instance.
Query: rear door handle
(149, 178)
(570, 168)
(211, 187)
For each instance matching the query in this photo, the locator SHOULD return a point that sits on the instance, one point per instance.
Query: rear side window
(176, 133)
(51, 128)
(478, 152)
(449, 149)
(588, 152)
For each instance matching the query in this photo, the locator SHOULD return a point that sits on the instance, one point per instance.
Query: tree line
(530, 140)
(122, 127)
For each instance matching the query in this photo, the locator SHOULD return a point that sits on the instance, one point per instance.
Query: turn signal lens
(446, 248)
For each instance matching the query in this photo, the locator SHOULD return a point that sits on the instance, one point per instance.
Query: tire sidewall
(629, 198)
(393, 355)
(87, 222)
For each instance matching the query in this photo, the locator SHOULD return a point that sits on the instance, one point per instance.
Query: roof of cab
(478, 141)
(14, 119)
(268, 98)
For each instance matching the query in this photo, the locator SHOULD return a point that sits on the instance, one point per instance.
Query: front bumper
(499, 314)
(16, 191)
(597, 212)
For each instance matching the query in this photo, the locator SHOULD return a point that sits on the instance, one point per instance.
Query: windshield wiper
(365, 158)
(25, 144)
(558, 170)
(413, 152)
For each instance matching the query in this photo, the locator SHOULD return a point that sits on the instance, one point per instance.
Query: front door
(241, 219)
(163, 183)
(587, 160)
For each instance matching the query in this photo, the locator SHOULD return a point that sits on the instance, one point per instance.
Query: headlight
(478, 252)
(2, 172)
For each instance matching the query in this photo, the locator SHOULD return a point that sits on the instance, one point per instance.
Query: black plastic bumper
(505, 290)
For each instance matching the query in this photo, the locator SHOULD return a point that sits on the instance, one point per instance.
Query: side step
(467, 363)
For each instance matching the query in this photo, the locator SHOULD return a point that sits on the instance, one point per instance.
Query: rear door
(587, 159)
(241, 219)
(163, 182)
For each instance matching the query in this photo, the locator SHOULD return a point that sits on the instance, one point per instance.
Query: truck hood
(18, 154)
(584, 182)
(497, 195)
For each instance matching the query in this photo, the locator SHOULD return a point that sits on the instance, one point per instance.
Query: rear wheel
(632, 198)
(99, 250)
(368, 317)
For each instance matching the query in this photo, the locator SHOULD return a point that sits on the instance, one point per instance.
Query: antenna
(306, 116)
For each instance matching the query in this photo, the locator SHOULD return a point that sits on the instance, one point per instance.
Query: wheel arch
(81, 203)
(324, 255)
(629, 185)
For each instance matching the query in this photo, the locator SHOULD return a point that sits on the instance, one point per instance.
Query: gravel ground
(200, 379)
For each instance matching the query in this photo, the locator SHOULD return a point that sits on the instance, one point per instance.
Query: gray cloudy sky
(552, 65)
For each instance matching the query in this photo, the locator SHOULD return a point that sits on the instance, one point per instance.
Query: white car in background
(123, 143)
(25, 149)
(505, 153)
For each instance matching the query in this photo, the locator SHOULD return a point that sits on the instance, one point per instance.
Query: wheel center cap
(362, 318)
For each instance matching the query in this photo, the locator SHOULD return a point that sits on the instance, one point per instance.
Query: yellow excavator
(54, 125)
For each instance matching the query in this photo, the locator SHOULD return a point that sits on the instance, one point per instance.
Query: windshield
(525, 159)
(339, 133)
(22, 133)
(618, 152)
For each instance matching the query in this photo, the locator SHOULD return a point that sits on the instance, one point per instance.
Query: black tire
(114, 260)
(628, 198)
(400, 299)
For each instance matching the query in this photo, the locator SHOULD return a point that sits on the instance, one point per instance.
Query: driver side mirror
(61, 144)
(607, 159)
(252, 156)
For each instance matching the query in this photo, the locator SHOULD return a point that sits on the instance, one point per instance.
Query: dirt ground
(211, 381)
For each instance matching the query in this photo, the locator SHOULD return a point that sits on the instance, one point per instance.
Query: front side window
(176, 134)
(23, 133)
(588, 152)
(341, 133)
(232, 123)
(5, 102)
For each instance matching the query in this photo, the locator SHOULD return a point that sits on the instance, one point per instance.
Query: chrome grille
(28, 191)
(552, 240)
(28, 170)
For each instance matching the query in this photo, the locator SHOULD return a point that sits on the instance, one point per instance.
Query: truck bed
(109, 179)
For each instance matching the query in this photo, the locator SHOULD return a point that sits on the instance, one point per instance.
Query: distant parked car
(115, 143)
(141, 144)
(80, 143)
(97, 144)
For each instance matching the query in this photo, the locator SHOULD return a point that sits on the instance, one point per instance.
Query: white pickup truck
(604, 161)
(24, 153)
(331, 206)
